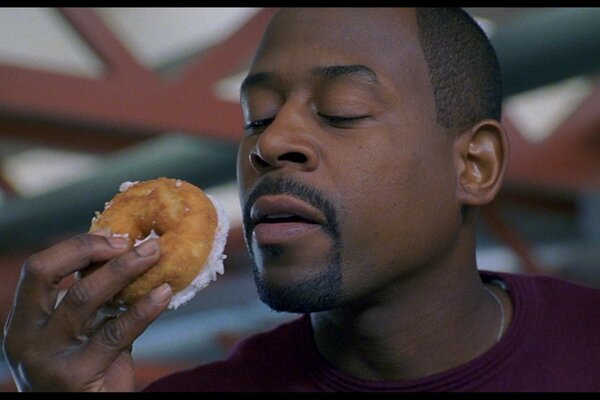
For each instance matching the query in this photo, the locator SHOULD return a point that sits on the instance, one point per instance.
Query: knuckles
(35, 267)
(118, 333)
(120, 263)
(78, 294)
(39, 265)
(114, 334)
(84, 242)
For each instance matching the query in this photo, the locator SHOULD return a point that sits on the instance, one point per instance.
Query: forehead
(385, 40)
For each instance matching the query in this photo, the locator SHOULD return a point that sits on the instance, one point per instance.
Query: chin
(313, 294)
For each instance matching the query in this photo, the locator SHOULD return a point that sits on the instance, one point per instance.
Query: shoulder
(247, 367)
(551, 294)
(555, 324)
(545, 283)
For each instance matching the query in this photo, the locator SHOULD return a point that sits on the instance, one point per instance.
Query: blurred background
(93, 97)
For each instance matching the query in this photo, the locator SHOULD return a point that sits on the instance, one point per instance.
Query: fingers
(42, 342)
(119, 333)
(86, 296)
(37, 289)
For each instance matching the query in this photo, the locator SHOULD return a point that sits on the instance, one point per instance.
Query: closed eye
(258, 124)
(340, 120)
(331, 119)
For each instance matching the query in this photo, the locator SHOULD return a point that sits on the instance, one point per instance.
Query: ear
(481, 158)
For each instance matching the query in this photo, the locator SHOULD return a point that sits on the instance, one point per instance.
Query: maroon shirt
(552, 344)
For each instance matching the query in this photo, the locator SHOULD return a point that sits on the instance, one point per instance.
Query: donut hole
(145, 229)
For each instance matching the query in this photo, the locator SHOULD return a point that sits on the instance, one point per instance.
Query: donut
(191, 229)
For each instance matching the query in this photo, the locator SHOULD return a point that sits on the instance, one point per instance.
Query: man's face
(346, 181)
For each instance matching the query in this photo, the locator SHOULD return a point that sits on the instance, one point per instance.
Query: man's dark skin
(338, 101)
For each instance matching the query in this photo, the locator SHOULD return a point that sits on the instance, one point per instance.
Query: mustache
(295, 188)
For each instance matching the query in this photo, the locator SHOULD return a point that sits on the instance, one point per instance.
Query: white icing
(214, 263)
(151, 235)
(95, 217)
(126, 185)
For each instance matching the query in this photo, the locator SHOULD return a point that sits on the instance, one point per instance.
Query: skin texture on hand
(70, 347)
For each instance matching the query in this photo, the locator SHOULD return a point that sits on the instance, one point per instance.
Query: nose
(289, 141)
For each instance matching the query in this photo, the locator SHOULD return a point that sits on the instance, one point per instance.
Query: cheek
(397, 213)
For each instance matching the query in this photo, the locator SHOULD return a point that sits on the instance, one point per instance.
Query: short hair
(463, 67)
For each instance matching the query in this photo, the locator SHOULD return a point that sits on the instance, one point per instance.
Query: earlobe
(482, 154)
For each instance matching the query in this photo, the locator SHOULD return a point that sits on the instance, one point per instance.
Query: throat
(395, 345)
(362, 350)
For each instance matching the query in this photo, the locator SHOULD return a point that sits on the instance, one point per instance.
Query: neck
(411, 330)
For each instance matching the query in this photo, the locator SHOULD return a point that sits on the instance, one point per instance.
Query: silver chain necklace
(502, 314)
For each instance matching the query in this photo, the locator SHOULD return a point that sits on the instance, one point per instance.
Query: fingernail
(101, 232)
(147, 248)
(118, 242)
(161, 293)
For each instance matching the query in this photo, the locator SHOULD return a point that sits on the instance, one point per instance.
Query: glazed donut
(191, 229)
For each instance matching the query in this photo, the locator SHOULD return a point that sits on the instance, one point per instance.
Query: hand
(68, 347)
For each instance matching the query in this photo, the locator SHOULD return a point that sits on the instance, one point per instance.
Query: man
(373, 136)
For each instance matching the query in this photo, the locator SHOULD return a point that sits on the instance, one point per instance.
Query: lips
(281, 218)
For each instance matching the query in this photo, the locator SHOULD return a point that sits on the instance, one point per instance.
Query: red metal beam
(538, 200)
(129, 105)
(120, 62)
(511, 237)
(533, 165)
(61, 134)
(133, 98)
(233, 53)
(568, 160)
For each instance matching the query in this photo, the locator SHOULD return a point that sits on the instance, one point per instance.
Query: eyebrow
(254, 80)
(355, 71)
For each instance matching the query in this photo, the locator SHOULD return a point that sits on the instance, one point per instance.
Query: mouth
(280, 218)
